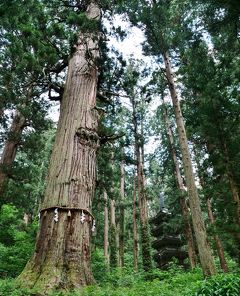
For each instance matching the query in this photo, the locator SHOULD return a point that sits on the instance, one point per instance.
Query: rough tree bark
(145, 235)
(10, 149)
(204, 249)
(106, 226)
(180, 186)
(62, 254)
(121, 234)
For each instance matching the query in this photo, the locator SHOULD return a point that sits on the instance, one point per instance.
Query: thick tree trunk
(219, 246)
(62, 258)
(10, 149)
(135, 228)
(145, 235)
(121, 235)
(183, 203)
(106, 227)
(204, 249)
(113, 235)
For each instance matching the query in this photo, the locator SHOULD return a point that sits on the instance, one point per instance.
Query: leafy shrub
(114, 276)
(124, 277)
(99, 266)
(220, 285)
(157, 274)
(126, 283)
(16, 241)
(8, 288)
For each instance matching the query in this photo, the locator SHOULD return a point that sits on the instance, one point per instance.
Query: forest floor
(175, 282)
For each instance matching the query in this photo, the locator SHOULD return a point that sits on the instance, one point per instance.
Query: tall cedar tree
(156, 20)
(180, 186)
(130, 88)
(62, 255)
(122, 212)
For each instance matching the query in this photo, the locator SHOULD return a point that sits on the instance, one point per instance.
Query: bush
(7, 288)
(220, 285)
(99, 266)
(16, 241)
(124, 283)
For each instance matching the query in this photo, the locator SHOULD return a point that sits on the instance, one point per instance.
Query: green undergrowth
(125, 283)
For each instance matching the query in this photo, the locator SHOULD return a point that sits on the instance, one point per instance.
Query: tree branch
(110, 138)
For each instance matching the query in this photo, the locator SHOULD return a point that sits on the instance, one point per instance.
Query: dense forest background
(164, 134)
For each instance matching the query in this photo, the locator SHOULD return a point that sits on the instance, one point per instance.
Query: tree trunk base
(51, 280)
(62, 258)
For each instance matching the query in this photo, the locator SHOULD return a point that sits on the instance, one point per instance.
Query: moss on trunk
(146, 248)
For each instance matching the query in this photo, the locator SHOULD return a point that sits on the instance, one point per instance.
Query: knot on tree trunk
(88, 137)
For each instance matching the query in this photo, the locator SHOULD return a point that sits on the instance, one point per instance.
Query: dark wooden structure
(168, 245)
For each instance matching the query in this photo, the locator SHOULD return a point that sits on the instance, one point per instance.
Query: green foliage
(27, 182)
(16, 241)
(8, 288)
(126, 282)
(220, 285)
(84, 24)
(99, 265)
(36, 37)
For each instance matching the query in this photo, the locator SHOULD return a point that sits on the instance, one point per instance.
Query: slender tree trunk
(113, 243)
(135, 228)
(180, 186)
(145, 235)
(235, 196)
(121, 235)
(229, 169)
(235, 234)
(10, 149)
(1, 114)
(113, 235)
(219, 246)
(204, 249)
(232, 183)
(62, 258)
(106, 226)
